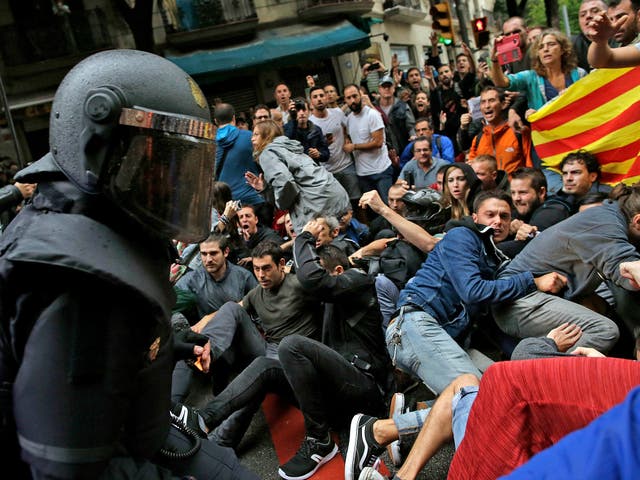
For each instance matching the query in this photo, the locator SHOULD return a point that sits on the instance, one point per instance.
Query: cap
(386, 79)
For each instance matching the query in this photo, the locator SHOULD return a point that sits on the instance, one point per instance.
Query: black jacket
(312, 137)
(352, 320)
(84, 314)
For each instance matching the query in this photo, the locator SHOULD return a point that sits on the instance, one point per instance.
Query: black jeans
(329, 389)
(246, 391)
(235, 341)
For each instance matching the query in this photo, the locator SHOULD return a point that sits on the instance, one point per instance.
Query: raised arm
(601, 55)
(410, 231)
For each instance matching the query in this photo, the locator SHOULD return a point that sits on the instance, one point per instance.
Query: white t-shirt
(333, 123)
(360, 128)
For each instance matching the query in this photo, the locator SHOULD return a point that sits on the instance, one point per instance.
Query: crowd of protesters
(395, 229)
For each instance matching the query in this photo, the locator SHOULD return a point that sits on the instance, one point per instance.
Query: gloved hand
(188, 344)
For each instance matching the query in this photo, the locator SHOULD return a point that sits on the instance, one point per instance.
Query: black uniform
(86, 348)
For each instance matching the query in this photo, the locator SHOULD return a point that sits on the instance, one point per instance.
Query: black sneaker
(363, 450)
(190, 418)
(311, 456)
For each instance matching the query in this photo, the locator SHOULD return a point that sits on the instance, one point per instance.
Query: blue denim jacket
(456, 281)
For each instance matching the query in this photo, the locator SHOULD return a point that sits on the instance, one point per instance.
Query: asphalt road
(257, 452)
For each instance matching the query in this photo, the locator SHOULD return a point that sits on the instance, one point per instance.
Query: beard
(531, 208)
(356, 107)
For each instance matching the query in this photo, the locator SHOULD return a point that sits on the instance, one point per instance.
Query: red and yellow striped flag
(601, 114)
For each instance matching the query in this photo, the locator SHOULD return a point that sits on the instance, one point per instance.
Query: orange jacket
(503, 143)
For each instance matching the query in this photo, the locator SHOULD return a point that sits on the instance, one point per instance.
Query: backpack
(400, 261)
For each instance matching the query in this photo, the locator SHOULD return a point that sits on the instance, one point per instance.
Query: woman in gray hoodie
(292, 180)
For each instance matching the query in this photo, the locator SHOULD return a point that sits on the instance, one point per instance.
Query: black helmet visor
(164, 179)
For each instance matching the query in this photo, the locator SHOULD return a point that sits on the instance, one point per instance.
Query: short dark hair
(281, 83)
(425, 119)
(313, 89)
(219, 238)
(535, 176)
(332, 256)
(261, 106)
(411, 69)
(349, 85)
(422, 138)
(485, 195)
(224, 113)
(249, 205)
(303, 100)
(593, 197)
(498, 90)
(588, 159)
(268, 248)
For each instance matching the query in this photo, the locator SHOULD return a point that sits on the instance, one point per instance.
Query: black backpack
(400, 261)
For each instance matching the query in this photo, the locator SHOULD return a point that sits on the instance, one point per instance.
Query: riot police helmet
(136, 128)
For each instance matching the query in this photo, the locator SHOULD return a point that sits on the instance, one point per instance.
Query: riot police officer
(86, 347)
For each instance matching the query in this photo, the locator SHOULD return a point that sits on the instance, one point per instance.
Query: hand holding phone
(508, 49)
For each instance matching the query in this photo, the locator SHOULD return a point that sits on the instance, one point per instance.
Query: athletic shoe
(309, 458)
(189, 418)
(363, 450)
(396, 407)
(370, 473)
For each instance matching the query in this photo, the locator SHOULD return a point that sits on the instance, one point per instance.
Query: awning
(29, 100)
(276, 47)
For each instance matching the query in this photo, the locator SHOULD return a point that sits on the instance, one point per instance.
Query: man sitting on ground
(212, 284)
(253, 232)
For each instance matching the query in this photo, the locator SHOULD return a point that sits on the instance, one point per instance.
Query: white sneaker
(370, 473)
(396, 407)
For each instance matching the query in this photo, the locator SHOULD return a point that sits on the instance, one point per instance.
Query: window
(406, 56)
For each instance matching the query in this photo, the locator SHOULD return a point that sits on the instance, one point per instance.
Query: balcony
(68, 36)
(314, 10)
(406, 11)
(190, 23)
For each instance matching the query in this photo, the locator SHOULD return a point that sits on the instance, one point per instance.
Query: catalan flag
(599, 113)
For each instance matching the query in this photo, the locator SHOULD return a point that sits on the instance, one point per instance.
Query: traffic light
(441, 20)
(480, 31)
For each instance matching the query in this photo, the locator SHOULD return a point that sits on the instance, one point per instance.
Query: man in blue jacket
(455, 285)
(234, 157)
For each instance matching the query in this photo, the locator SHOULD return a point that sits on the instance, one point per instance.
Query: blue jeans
(461, 405)
(388, 295)
(419, 345)
(409, 424)
(378, 181)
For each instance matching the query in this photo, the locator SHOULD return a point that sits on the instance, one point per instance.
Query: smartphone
(408, 177)
(508, 49)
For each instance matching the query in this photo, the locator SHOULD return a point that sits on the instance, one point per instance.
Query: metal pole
(565, 18)
(7, 114)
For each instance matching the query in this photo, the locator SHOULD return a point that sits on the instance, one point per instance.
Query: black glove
(184, 341)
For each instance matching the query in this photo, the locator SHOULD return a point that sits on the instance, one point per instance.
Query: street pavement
(277, 429)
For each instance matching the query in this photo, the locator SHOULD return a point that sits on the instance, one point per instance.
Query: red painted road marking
(287, 431)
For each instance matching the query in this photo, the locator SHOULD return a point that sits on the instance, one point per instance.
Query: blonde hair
(267, 130)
